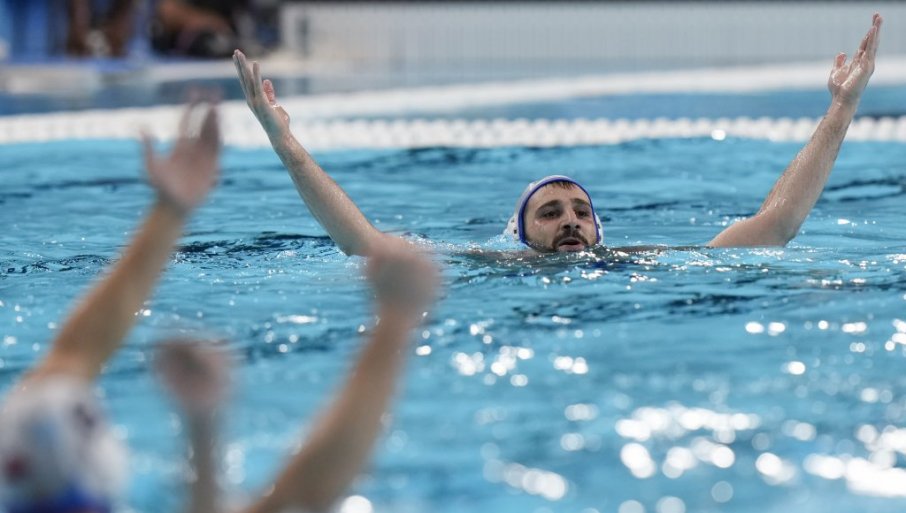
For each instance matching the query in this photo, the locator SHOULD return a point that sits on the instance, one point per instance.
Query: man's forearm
(343, 438)
(204, 491)
(798, 189)
(325, 199)
(800, 186)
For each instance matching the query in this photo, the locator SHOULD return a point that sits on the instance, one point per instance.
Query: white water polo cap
(57, 452)
(515, 228)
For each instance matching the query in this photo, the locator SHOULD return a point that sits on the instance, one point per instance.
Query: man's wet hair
(561, 184)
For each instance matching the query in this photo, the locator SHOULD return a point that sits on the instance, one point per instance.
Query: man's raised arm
(327, 202)
(404, 283)
(795, 193)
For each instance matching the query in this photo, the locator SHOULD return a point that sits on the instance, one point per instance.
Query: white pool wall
(464, 36)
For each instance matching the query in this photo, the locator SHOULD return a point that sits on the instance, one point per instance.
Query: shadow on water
(82, 264)
(266, 245)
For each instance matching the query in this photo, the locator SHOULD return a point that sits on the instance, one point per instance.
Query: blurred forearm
(343, 438)
(204, 491)
(99, 323)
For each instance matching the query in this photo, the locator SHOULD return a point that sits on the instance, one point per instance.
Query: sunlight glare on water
(679, 380)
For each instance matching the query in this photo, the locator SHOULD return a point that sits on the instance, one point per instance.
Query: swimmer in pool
(57, 455)
(555, 213)
(316, 476)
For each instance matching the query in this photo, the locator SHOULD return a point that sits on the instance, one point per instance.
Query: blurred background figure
(100, 32)
(134, 28)
(203, 28)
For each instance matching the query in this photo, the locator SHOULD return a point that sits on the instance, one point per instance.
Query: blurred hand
(404, 279)
(260, 96)
(185, 177)
(848, 80)
(195, 373)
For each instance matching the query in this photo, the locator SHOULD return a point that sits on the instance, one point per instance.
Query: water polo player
(555, 214)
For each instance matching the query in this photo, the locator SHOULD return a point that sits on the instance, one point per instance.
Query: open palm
(260, 96)
(184, 177)
(401, 276)
(848, 80)
(195, 373)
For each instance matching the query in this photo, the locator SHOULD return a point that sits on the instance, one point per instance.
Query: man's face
(559, 217)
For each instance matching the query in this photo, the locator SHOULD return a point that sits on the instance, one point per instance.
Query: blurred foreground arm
(326, 201)
(99, 323)
(795, 193)
(196, 375)
(341, 441)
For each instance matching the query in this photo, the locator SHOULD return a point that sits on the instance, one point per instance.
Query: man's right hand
(848, 80)
(261, 97)
(195, 373)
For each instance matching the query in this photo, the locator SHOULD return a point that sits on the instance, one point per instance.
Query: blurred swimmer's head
(57, 452)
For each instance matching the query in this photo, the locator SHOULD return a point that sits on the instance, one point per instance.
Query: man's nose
(570, 219)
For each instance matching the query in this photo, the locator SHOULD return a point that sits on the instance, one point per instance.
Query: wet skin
(559, 219)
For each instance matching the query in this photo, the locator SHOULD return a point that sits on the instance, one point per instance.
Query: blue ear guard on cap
(515, 228)
(71, 500)
(57, 452)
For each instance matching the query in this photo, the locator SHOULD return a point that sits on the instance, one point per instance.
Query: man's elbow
(760, 230)
(786, 231)
(776, 238)
(352, 248)
(349, 249)
(785, 238)
(778, 227)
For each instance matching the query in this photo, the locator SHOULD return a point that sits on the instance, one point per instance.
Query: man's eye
(549, 214)
(583, 213)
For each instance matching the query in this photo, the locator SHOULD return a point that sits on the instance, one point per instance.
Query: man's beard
(570, 234)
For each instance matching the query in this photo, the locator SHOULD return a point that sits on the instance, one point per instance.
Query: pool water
(698, 380)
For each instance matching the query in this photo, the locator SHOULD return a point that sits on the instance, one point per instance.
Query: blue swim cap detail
(516, 226)
(57, 452)
(71, 500)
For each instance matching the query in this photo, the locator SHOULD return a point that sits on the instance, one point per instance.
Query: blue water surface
(733, 380)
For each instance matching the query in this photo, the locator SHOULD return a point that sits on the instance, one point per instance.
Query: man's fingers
(864, 43)
(876, 35)
(869, 44)
(248, 76)
(251, 88)
(269, 92)
(240, 71)
(147, 148)
(872, 47)
(256, 77)
(839, 60)
(187, 115)
(210, 129)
